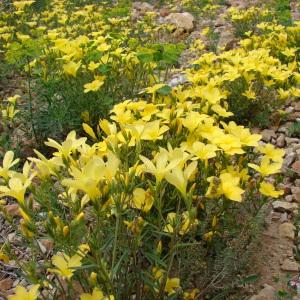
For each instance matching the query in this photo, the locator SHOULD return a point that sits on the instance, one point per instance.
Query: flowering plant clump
(80, 60)
(159, 176)
(144, 187)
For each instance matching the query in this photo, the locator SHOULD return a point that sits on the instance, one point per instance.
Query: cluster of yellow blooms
(134, 187)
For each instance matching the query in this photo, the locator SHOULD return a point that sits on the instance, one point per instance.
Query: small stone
(294, 116)
(287, 230)
(280, 142)
(290, 141)
(12, 209)
(289, 159)
(297, 106)
(290, 266)
(289, 109)
(267, 134)
(284, 218)
(6, 284)
(289, 198)
(181, 20)
(283, 129)
(164, 12)
(283, 206)
(227, 41)
(296, 196)
(298, 153)
(11, 237)
(296, 166)
(267, 293)
(45, 245)
(143, 7)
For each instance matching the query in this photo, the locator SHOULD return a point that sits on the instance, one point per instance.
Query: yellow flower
(8, 162)
(242, 133)
(266, 167)
(22, 294)
(71, 68)
(191, 295)
(211, 93)
(66, 265)
(230, 187)
(153, 89)
(203, 151)
(20, 5)
(68, 146)
(4, 257)
(171, 285)
(142, 199)
(179, 177)
(272, 153)
(221, 111)
(94, 85)
(93, 66)
(16, 189)
(153, 132)
(97, 294)
(161, 166)
(268, 189)
(283, 94)
(89, 130)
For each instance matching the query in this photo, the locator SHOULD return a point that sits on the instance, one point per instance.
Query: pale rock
(6, 284)
(283, 206)
(289, 109)
(298, 153)
(290, 141)
(13, 209)
(280, 142)
(296, 195)
(296, 166)
(142, 7)
(12, 237)
(283, 129)
(227, 41)
(267, 134)
(181, 20)
(289, 198)
(294, 116)
(289, 159)
(45, 245)
(287, 230)
(290, 266)
(267, 293)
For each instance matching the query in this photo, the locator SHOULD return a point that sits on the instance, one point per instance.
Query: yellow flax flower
(66, 265)
(22, 294)
(94, 85)
(142, 199)
(16, 189)
(268, 189)
(97, 294)
(179, 177)
(230, 187)
(8, 162)
(71, 68)
(272, 153)
(266, 167)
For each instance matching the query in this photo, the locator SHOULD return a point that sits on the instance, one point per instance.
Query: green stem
(30, 102)
(115, 243)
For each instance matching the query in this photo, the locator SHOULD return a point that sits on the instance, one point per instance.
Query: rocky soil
(277, 253)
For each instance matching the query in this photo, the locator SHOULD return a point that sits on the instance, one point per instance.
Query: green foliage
(294, 129)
